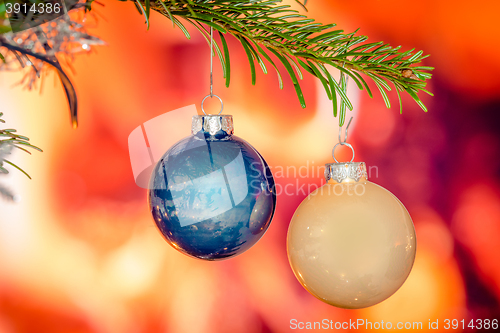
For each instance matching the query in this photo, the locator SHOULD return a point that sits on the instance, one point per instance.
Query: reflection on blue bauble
(211, 194)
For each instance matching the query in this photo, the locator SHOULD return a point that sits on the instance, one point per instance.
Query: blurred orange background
(80, 252)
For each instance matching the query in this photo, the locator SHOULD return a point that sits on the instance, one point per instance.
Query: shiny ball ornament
(351, 243)
(211, 194)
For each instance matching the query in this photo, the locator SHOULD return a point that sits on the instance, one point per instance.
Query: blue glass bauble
(211, 194)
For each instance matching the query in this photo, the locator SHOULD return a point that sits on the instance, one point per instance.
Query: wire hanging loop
(343, 143)
(221, 105)
(211, 95)
(344, 80)
(211, 60)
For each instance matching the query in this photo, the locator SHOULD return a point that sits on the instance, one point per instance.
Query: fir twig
(8, 141)
(296, 40)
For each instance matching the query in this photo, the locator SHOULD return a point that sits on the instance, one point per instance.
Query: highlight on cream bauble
(351, 243)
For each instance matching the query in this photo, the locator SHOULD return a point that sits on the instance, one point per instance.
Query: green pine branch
(267, 29)
(9, 140)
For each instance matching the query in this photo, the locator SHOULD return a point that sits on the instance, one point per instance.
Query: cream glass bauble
(351, 243)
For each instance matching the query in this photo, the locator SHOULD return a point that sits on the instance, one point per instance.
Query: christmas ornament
(351, 243)
(212, 194)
